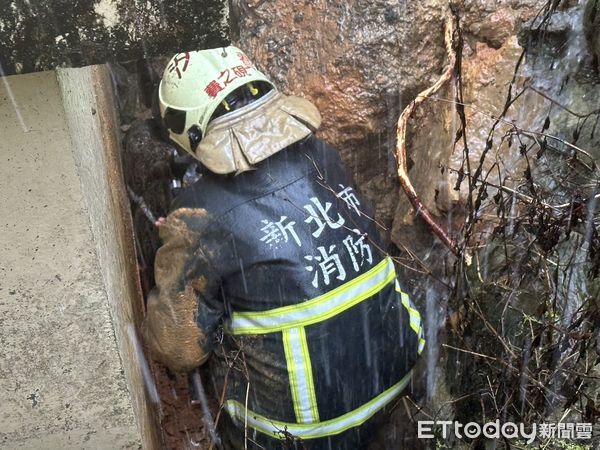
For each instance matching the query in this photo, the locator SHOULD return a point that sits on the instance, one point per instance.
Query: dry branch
(405, 182)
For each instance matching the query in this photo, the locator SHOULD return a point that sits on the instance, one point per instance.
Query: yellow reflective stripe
(292, 373)
(300, 374)
(309, 377)
(421, 345)
(413, 313)
(320, 429)
(414, 318)
(317, 309)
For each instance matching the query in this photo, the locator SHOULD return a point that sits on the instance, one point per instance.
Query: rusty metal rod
(203, 401)
(139, 200)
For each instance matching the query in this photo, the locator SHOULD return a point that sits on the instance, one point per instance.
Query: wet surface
(181, 421)
(43, 34)
(148, 173)
(349, 59)
(361, 62)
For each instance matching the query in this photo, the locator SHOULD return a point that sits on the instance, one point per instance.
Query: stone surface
(591, 24)
(357, 61)
(556, 63)
(42, 34)
(361, 62)
(61, 379)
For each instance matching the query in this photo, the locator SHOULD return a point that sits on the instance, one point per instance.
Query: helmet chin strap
(241, 97)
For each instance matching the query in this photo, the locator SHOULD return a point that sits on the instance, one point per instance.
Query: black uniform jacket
(279, 273)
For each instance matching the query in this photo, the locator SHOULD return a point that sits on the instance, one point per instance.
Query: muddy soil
(181, 421)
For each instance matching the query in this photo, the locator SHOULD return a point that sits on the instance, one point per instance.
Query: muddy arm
(182, 313)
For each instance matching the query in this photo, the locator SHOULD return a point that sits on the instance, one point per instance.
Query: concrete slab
(62, 384)
(90, 112)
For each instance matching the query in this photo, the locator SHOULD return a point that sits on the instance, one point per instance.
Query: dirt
(181, 421)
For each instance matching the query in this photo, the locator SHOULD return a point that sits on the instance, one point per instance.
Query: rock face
(147, 173)
(361, 62)
(348, 57)
(591, 23)
(42, 34)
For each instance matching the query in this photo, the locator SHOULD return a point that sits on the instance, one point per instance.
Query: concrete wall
(91, 118)
(62, 383)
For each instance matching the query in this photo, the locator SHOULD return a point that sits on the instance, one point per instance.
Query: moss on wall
(40, 35)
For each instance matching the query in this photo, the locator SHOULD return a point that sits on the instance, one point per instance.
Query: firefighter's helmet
(195, 84)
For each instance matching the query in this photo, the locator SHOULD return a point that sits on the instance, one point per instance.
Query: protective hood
(237, 141)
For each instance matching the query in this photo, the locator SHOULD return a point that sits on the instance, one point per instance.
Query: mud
(362, 62)
(181, 422)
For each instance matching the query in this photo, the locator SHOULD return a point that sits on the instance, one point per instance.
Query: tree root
(405, 182)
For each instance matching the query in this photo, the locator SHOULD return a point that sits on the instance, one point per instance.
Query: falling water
(345, 14)
(512, 215)
(13, 100)
(589, 223)
(143, 364)
(434, 319)
(163, 17)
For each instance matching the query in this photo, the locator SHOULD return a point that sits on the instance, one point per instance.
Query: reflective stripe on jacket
(317, 335)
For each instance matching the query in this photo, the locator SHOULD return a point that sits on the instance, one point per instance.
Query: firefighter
(271, 268)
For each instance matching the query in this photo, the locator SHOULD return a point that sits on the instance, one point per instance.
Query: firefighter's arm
(182, 313)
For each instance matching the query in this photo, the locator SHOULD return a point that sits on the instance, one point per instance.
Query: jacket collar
(234, 143)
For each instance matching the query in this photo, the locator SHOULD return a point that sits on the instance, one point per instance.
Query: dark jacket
(280, 273)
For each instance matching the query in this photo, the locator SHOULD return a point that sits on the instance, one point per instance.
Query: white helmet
(195, 83)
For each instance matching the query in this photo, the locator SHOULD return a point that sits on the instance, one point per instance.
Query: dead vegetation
(521, 342)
